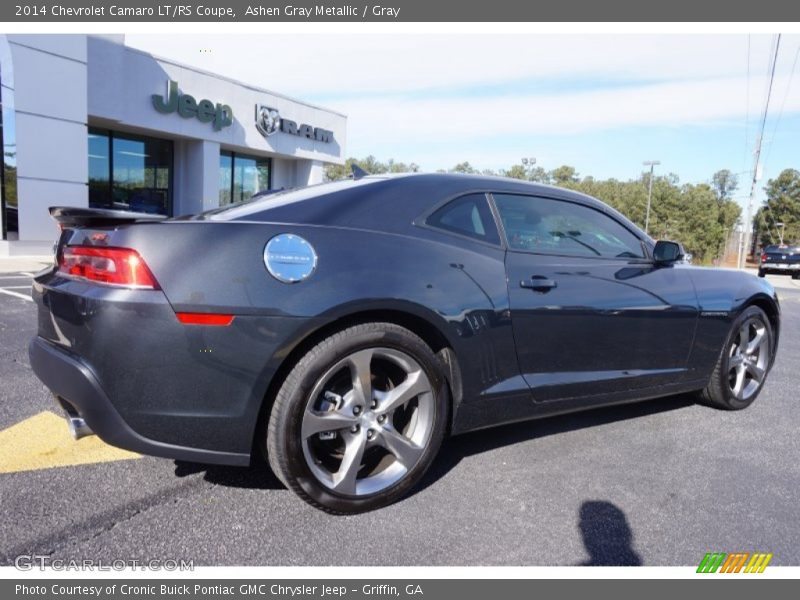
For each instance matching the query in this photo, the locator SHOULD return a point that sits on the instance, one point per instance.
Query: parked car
(346, 329)
(781, 259)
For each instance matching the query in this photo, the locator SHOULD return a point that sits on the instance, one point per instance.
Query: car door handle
(538, 283)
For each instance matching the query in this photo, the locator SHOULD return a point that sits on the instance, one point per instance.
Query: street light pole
(651, 164)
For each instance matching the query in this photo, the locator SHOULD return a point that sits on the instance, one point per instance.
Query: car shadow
(606, 535)
(462, 446)
(259, 475)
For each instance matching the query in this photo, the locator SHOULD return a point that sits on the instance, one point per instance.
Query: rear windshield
(242, 210)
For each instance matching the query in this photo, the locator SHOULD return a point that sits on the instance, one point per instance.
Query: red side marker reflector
(204, 319)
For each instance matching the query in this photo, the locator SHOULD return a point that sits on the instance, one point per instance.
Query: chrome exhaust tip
(77, 426)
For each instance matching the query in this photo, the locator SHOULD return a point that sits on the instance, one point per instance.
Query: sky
(602, 103)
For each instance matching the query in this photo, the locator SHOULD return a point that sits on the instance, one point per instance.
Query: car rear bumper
(781, 267)
(144, 381)
(71, 380)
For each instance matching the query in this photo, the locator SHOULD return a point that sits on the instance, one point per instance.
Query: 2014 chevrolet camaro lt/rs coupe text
(345, 329)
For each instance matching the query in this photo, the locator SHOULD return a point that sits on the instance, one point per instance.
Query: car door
(591, 313)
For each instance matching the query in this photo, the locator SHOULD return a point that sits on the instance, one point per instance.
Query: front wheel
(359, 419)
(743, 364)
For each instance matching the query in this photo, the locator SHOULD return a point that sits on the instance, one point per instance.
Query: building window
(9, 215)
(242, 176)
(130, 172)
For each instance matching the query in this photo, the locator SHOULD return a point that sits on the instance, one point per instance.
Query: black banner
(399, 11)
(405, 589)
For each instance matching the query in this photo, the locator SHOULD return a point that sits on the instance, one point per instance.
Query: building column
(50, 111)
(196, 181)
(294, 173)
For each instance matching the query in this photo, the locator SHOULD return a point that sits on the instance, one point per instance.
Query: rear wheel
(359, 419)
(743, 364)
(795, 275)
(761, 272)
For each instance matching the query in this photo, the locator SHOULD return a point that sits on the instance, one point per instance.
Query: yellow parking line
(43, 442)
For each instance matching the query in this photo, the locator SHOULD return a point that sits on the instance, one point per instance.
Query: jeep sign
(205, 111)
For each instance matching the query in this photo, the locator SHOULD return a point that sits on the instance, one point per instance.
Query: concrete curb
(31, 264)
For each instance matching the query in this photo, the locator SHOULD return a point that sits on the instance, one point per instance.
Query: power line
(747, 107)
(748, 225)
(783, 103)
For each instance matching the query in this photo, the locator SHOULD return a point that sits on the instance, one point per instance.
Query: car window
(558, 227)
(468, 215)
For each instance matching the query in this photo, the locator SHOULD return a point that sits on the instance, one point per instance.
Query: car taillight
(204, 319)
(764, 258)
(114, 266)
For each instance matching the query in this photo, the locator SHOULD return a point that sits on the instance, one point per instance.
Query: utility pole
(744, 241)
(744, 245)
(651, 164)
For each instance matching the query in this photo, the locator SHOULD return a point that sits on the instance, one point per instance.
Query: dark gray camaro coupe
(347, 328)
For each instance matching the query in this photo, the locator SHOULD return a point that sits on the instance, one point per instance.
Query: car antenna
(358, 172)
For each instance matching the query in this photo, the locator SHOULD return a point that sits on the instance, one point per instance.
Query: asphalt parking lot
(656, 483)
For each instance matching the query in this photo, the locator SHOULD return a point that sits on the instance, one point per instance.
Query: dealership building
(90, 122)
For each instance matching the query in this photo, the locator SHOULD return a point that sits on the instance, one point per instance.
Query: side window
(468, 215)
(564, 228)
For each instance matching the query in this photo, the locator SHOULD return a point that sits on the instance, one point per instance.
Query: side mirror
(667, 253)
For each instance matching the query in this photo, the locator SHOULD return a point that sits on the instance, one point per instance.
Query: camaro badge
(289, 258)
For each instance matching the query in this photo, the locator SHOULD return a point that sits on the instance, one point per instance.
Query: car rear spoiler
(70, 216)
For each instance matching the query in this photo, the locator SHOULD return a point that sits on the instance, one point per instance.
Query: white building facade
(89, 122)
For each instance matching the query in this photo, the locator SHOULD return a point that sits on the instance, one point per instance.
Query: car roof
(383, 202)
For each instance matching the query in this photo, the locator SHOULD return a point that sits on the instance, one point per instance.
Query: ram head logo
(268, 120)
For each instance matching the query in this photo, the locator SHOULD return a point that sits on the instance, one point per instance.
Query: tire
(795, 275)
(394, 430)
(746, 357)
(761, 272)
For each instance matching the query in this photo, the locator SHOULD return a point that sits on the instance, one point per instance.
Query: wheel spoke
(738, 386)
(361, 372)
(735, 360)
(415, 383)
(316, 422)
(744, 336)
(758, 339)
(755, 371)
(344, 480)
(404, 450)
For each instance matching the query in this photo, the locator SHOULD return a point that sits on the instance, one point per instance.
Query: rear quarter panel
(455, 284)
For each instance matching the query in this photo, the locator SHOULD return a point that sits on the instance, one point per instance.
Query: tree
(564, 175)
(516, 172)
(724, 183)
(527, 172)
(464, 167)
(782, 206)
